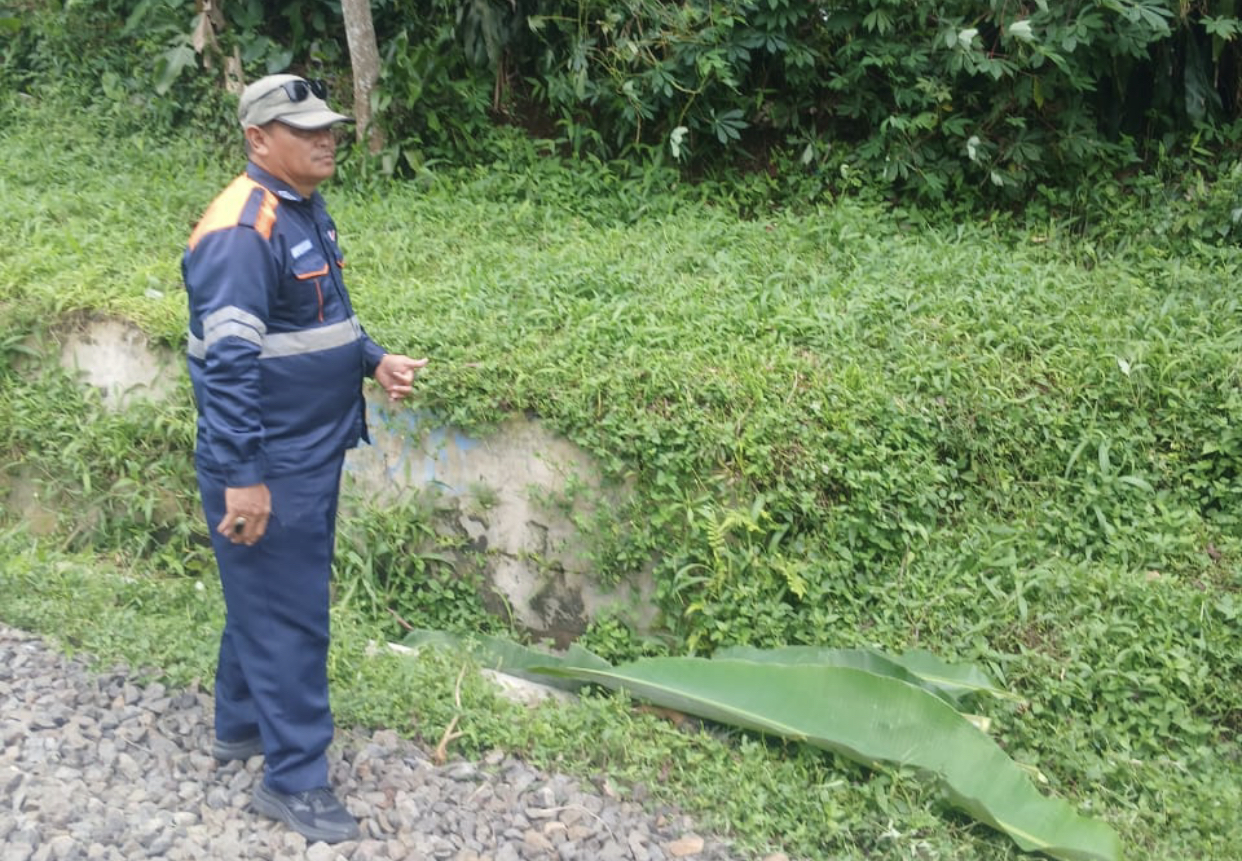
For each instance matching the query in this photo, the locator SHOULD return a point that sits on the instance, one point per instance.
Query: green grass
(842, 426)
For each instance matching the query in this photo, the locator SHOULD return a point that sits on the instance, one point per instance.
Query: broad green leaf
(860, 659)
(859, 703)
(952, 679)
(170, 64)
(918, 667)
(508, 657)
(870, 719)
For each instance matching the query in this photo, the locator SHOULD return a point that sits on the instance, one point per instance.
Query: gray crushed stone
(95, 766)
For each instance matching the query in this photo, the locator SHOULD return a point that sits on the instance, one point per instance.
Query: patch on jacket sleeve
(244, 203)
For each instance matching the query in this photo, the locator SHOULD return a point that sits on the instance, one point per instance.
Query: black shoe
(316, 814)
(227, 751)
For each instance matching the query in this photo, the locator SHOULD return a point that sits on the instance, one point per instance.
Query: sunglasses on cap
(303, 88)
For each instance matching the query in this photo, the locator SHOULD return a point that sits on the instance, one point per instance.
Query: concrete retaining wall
(514, 494)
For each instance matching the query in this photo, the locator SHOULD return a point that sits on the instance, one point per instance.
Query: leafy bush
(965, 105)
(112, 55)
(941, 98)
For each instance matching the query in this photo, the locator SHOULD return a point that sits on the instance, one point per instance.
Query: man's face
(303, 158)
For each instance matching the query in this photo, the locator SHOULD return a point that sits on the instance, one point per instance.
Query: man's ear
(257, 140)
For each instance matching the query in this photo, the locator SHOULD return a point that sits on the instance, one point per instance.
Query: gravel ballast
(94, 765)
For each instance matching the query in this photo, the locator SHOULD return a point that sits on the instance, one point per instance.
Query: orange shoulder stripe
(266, 219)
(229, 207)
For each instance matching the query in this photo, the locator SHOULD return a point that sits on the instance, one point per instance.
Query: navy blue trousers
(272, 677)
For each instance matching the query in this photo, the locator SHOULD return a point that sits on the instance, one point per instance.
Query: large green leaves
(514, 659)
(862, 705)
(950, 682)
(870, 719)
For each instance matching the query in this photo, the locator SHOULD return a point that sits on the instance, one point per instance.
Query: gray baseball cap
(293, 100)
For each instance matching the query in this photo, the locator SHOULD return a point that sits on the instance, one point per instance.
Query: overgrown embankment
(845, 427)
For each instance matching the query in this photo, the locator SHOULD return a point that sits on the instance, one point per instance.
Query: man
(277, 360)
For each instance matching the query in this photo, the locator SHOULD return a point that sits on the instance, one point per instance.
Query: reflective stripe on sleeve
(224, 330)
(311, 340)
(232, 314)
(232, 321)
(279, 344)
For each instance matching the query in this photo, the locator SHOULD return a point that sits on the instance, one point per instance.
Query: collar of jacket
(276, 186)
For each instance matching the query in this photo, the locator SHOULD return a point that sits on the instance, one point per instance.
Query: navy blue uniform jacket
(276, 354)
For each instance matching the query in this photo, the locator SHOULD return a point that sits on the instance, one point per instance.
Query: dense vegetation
(849, 421)
(953, 101)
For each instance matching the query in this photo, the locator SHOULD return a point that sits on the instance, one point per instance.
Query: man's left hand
(396, 374)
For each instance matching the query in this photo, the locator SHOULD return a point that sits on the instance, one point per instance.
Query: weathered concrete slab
(117, 358)
(516, 494)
